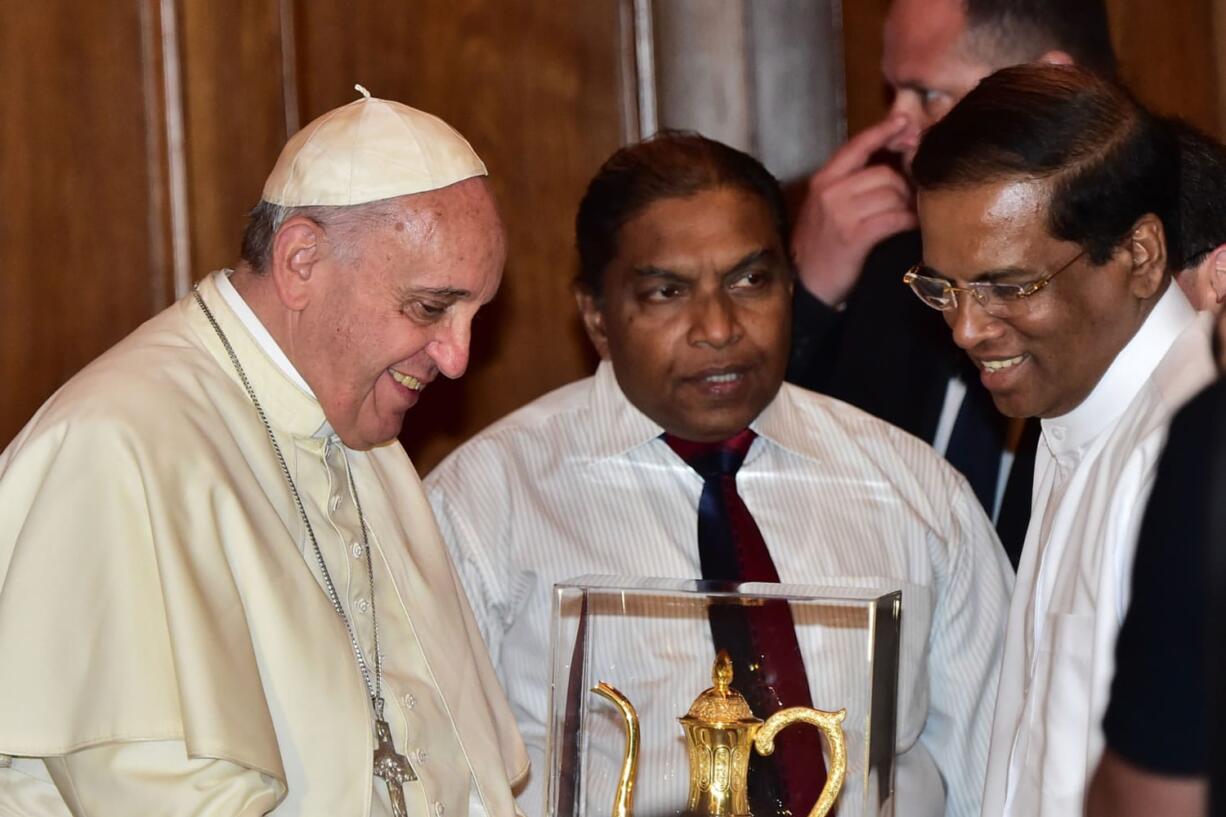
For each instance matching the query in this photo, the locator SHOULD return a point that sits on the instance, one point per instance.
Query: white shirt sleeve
(158, 779)
(474, 564)
(967, 639)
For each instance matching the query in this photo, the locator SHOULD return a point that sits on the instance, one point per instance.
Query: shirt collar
(619, 426)
(1124, 378)
(782, 423)
(257, 330)
(281, 390)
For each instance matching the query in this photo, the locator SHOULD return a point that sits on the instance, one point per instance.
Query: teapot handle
(831, 724)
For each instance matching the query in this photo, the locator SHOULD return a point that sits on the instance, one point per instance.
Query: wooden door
(84, 230)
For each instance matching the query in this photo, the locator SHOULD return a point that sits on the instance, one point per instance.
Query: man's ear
(1056, 57)
(296, 248)
(593, 319)
(1215, 274)
(1147, 247)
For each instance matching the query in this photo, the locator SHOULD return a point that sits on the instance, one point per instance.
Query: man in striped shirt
(685, 292)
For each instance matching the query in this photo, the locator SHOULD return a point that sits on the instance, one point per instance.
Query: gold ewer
(720, 729)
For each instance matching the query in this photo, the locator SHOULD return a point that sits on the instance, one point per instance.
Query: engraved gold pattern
(720, 730)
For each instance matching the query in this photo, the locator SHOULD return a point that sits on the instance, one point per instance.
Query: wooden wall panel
(89, 179)
(1219, 61)
(234, 118)
(1166, 53)
(533, 84)
(867, 98)
(82, 233)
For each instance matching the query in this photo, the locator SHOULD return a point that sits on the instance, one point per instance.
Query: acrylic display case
(651, 640)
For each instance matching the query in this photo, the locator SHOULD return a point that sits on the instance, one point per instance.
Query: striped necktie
(768, 668)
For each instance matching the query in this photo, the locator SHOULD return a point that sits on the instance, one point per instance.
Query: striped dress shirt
(579, 482)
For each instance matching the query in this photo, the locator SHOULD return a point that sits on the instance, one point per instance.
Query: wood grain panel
(82, 235)
(1219, 61)
(867, 97)
(234, 118)
(1166, 54)
(534, 85)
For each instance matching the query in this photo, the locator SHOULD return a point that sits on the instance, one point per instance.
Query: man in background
(1202, 218)
(858, 337)
(1045, 200)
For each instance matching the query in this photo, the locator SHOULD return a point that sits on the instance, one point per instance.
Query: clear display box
(651, 640)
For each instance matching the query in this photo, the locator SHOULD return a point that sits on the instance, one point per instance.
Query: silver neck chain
(374, 684)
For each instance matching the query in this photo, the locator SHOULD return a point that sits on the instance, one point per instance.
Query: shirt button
(356, 550)
(410, 701)
(363, 605)
(422, 756)
(438, 809)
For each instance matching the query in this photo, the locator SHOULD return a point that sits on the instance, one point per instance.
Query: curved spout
(623, 800)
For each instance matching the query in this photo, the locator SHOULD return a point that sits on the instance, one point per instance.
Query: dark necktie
(976, 443)
(1014, 516)
(761, 639)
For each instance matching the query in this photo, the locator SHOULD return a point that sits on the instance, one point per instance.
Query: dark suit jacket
(892, 356)
(1159, 713)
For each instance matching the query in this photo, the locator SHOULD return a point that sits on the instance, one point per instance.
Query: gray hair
(344, 225)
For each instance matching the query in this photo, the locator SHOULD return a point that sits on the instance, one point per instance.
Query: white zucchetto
(368, 150)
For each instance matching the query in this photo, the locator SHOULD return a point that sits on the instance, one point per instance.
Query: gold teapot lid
(721, 704)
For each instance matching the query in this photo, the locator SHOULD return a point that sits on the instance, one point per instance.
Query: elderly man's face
(695, 312)
(1044, 360)
(399, 311)
(928, 65)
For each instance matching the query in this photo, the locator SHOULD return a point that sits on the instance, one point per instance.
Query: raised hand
(850, 206)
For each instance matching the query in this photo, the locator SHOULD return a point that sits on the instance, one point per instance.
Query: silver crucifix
(392, 767)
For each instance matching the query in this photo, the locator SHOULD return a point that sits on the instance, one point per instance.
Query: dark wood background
(136, 133)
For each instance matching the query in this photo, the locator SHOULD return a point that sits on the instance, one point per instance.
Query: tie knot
(713, 459)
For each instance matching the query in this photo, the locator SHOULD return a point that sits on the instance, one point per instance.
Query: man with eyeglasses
(998, 299)
(1046, 198)
(856, 335)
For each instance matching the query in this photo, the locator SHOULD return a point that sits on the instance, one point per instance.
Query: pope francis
(222, 591)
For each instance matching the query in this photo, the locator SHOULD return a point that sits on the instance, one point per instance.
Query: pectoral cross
(392, 767)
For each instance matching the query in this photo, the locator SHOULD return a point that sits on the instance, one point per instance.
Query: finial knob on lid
(721, 704)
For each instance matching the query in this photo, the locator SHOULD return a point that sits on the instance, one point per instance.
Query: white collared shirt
(578, 482)
(1093, 471)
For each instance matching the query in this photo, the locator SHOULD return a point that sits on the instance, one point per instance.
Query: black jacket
(892, 356)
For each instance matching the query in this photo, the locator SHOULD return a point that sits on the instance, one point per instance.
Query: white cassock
(167, 645)
(1093, 472)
